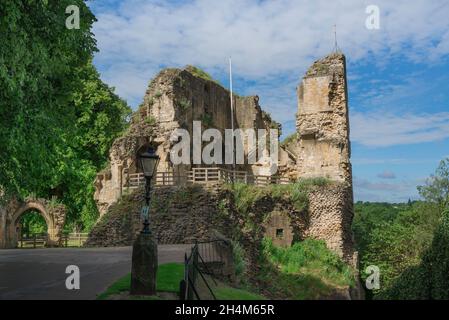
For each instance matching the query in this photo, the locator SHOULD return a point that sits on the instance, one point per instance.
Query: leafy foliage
(207, 120)
(429, 279)
(150, 120)
(39, 56)
(306, 270)
(32, 223)
(58, 118)
(184, 104)
(436, 189)
(408, 242)
(393, 237)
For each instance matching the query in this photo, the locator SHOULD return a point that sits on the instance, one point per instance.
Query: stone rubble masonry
(178, 215)
(330, 219)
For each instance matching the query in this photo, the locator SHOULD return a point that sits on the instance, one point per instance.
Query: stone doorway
(54, 215)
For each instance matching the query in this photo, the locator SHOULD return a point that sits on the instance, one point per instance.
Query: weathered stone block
(144, 265)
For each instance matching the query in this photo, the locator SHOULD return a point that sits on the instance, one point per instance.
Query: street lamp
(144, 258)
(148, 161)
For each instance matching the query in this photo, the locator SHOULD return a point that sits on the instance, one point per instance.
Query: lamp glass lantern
(149, 161)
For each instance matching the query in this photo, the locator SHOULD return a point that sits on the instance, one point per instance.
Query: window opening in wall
(279, 233)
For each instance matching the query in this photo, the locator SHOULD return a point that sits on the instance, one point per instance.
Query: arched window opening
(31, 229)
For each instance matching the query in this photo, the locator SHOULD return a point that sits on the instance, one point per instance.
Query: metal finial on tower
(336, 48)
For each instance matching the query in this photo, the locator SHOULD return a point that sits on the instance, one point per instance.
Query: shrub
(200, 73)
(150, 120)
(184, 104)
(239, 259)
(207, 120)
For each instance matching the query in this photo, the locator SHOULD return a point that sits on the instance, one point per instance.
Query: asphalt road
(40, 273)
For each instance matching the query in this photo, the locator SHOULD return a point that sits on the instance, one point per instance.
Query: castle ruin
(177, 97)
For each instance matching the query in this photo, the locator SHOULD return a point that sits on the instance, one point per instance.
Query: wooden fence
(212, 175)
(39, 240)
(36, 240)
(74, 239)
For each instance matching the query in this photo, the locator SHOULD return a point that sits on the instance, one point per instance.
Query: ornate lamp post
(148, 161)
(144, 259)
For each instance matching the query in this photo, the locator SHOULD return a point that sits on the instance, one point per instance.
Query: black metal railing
(204, 260)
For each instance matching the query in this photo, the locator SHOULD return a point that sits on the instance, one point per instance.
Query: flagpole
(232, 116)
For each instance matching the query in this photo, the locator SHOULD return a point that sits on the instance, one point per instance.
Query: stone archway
(54, 215)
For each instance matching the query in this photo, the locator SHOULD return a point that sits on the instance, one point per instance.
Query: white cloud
(367, 190)
(381, 129)
(265, 38)
(386, 175)
(393, 161)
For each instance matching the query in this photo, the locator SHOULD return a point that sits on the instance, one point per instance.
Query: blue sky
(398, 76)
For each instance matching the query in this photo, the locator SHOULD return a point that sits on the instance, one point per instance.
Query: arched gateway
(54, 215)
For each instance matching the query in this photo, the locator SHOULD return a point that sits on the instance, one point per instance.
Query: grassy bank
(306, 270)
(168, 277)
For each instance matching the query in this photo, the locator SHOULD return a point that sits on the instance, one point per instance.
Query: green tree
(394, 238)
(429, 279)
(57, 118)
(38, 59)
(436, 189)
(100, 116)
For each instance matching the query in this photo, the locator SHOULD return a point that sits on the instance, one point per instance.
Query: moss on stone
(197, 72)
(245, 196)
(289, 140)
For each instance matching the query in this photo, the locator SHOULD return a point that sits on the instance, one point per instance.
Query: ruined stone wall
(322, 121)
(177, 97)
(174, 99)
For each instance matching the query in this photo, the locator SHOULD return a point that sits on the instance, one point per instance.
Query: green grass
(168, 277)
(200, 73)
(229, 293)
(306, 270)
(246, 196)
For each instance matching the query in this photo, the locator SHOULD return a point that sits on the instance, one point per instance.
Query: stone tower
(323, 150)
(322, 121)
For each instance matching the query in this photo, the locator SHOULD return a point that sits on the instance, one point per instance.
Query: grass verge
(168, 277)
(306, 270)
